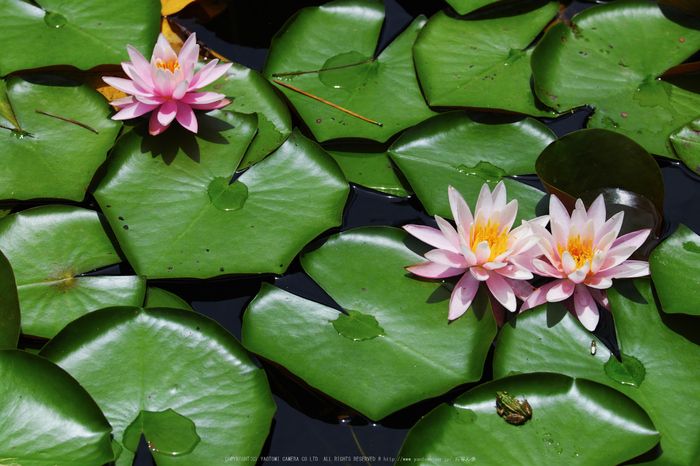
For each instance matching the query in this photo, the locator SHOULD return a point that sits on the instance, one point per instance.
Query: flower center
(580, 251)
(170, 65)
(489, 233)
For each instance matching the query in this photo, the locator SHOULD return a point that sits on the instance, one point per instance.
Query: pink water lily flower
(584, 254)
(167, 86)
(482, 249)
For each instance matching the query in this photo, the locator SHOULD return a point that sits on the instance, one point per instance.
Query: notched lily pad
(166, 432)
(628, 372)
(686, 143)
(346, 73)
(358, 326)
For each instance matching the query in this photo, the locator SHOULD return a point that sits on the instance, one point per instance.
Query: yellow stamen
(581, 251)
(489, 233)
(171, 65)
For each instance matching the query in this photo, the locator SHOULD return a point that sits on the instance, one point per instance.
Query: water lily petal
(434, 270)
(514, 271)
(449, 232)
(579, 275)
(164, 82)
(131, 72)
(568, 262)
(180, 90)
(459, 207)
(483, 252)
(558, 215)
(162, 50)
(134, 110)
(154, 126)
(545, 269)
(213, 74)
(560, 291)
(166, 113)
(468, 254)
(448, 258)
(141, 66)
(484, 203)
(479, 273)
(156, 100)
(430, 235)
(614, 224)
(502, 291)
(585, 306)
(507, 215)
(598, 282)
(601, 297)
(185, 116)
(202, 97)
(596, 212)
(494, 265)
(538, 296)
(628, 269)
(125, 85)
(579, 216)
(462, 296)
(521, 288)
(123, 102)
(598, 261)
(560, 236)
(189, 52)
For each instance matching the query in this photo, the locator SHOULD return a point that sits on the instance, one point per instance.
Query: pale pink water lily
(584, 254)
(481, 249)
(167, 86)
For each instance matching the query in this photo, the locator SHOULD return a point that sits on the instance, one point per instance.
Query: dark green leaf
(49, 247)
(384, 89)
(41, 158)
(686, 143)
(395, 348)
(54, 32)
(134, 360)
(156, 297)
(451, 149)
(482, 63)
(574, 421)
(159, 195)
(46, 417)
(675, 269)
(667, 392)
(9, 306)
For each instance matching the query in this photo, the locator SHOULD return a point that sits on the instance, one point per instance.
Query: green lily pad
(482, 62)
(451, 149)
(46, 417)
(251, 93)
(601, 59)
(675, 269)
(394, 348)
(686, 142)
(53, 32)
(592, 160)
(370, 166)
(157, 297)
(536, 342)
(134, 361)
(49, 247)
(467, 6)
(162, 197)
(41, 158)
(568, 416)
(383, 89)
(9, 306)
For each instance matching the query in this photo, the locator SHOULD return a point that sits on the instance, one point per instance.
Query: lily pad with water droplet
(43, 160)
(482, 61)
(133, 361)
(686, 143)
(169, 203)
(250, 92)
(451, 149)
(9, 306)
(564, 428)
(396, 346)
(675, 269)
(601, 59)
(669, 359)
(385, 90)
(45, 33)
(50, 248)
(628, 372)
(46, 417)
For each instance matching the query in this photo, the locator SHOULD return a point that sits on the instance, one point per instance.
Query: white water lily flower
(482, 249)
(584, 254)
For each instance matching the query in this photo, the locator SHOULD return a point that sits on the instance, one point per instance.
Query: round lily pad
(158, 297)
(174, 375)
(394, 347)
(675, 269)
(568, 416)
(251, 93)
(50, 247)
(46, 417)
(346, 72)
(537, 342)
(451, 149)
(39, 155)
(54, 32)
(482, 62)
(175, 215)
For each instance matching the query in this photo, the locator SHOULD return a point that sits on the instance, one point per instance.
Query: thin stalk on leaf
(327, 103)
(69, 121)
(19, 131)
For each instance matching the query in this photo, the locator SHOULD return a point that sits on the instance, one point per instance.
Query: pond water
(308, 427)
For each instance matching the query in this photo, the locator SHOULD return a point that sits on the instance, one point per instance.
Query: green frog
(512, 410)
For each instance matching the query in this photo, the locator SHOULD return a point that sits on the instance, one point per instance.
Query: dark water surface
(308, 425)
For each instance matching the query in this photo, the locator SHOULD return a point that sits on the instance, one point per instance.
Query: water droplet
(628, 372)
(55, 20)
(358, 326)
(483, 170)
